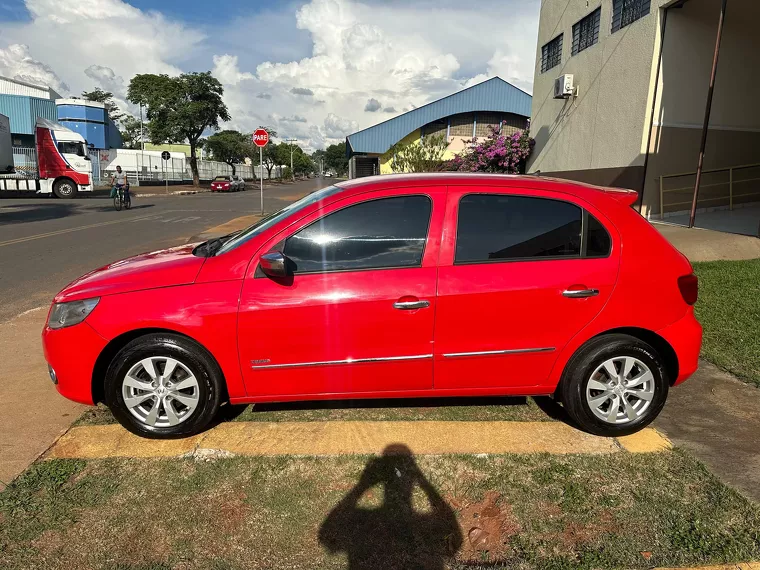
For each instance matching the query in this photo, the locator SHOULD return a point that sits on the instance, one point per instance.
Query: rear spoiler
(627, 197)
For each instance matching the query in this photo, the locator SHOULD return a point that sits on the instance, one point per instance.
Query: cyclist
(119, 182)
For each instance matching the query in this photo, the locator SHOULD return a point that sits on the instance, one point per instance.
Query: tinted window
(598, 241)
(222, 178)
(495, 228)
(390, 232)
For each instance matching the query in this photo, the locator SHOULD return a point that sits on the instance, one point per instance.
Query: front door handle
(411, 305)
(580, 293)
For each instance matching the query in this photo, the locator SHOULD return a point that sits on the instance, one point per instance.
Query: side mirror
(274, 264)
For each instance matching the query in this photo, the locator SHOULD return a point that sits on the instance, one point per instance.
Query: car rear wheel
(614, 385)
(163, 385)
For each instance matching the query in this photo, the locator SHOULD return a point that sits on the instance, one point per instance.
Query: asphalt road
(45, 243)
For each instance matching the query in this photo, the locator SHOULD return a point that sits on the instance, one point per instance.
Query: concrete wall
(601, 131)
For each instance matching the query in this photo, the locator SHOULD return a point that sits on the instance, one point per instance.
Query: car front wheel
(163, 385)
(614, 385)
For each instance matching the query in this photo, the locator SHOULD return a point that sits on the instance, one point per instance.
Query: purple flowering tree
(496, 153)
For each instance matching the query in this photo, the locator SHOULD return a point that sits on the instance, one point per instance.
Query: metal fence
(25, 163)
(720, 188)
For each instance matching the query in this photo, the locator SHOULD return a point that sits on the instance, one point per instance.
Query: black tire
(572, 390)
(117, 202)
(210, 383)
(65, 188)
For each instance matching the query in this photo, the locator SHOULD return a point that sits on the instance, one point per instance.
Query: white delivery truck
(63, 165)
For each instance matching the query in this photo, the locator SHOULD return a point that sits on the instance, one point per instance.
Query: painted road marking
(347, 438)
(68, 231)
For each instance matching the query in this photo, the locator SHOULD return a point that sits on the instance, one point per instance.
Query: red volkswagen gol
(392, 286)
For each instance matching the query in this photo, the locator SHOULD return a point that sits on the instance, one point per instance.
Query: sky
(313, 70)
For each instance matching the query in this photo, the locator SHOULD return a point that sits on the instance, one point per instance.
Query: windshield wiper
(212, 246)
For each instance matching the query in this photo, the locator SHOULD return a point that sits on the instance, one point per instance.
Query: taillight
(689, 287)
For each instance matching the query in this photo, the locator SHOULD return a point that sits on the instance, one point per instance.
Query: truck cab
(64, 167)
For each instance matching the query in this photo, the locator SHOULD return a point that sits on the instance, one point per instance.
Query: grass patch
(535, 511)
(431, 409)
(729, 310)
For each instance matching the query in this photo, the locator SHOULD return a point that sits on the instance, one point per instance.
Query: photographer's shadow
(394, 534)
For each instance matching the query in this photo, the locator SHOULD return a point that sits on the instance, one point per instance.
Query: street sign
(260, 137)
(165, 155)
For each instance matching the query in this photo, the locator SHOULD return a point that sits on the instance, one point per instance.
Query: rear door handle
(411, 305)
(580, 293)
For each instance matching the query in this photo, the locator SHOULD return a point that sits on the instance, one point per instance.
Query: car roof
(580, 189)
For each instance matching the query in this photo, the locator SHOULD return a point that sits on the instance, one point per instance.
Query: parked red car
(392, 286)
(227, 184)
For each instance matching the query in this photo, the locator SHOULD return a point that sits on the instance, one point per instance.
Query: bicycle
(122, 198)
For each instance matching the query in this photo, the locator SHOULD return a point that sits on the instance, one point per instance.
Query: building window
(626, 12)
(586, 32)
(461, 125)
(551, 54)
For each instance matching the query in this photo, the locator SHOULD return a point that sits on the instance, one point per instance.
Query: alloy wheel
(160, 391)
(620, 390)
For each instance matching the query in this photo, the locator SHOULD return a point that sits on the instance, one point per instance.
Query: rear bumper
(71, 353)
(685, 336)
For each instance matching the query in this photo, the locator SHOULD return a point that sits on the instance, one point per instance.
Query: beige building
(641, 71)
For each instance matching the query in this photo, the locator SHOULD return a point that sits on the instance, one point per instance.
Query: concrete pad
(717, 418)
(707, 245)
(645, 441)
(32, 413)
(344, 438)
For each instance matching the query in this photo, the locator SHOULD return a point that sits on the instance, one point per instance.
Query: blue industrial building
(24, 102)
(23, 110)
(459, 117)
(90, 119)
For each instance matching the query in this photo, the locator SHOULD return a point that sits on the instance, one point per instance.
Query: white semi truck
(63, 165)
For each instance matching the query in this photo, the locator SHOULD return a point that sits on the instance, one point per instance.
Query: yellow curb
(737, 566)
(344, 438)
(645, 441)
(95, 442)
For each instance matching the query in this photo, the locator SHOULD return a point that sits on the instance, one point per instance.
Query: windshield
(270, 220)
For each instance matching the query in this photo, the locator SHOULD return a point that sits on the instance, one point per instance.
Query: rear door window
(494, 228)
(377, 234)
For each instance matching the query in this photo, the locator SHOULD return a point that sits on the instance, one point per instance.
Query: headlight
(68, 314)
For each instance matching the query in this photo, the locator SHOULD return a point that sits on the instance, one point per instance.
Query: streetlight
(292, 172)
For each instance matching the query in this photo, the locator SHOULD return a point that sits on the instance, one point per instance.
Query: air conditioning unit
(563, 86)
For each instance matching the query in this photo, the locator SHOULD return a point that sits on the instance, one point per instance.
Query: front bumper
(685, 336)
(71, 353)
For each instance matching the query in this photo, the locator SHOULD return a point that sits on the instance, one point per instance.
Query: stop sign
(260, 137)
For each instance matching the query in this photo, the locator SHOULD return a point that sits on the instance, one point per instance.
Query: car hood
(164, 268)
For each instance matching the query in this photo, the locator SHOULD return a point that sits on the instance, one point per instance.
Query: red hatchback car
(392, 286)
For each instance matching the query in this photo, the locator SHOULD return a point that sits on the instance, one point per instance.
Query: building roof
(81, 102)
(493, 95)
(10, 86)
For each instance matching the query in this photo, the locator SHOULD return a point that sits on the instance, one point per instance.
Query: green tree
(231, 147)
(335, 158)
(318, 157)
(105, 97)
(180, 108)
(130, 132)
(423, 156)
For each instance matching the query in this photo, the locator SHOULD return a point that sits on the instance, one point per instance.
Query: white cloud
(17, 63)
(336, 127)
(227, 71)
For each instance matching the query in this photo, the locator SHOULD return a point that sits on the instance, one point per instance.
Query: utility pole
(292, 172)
